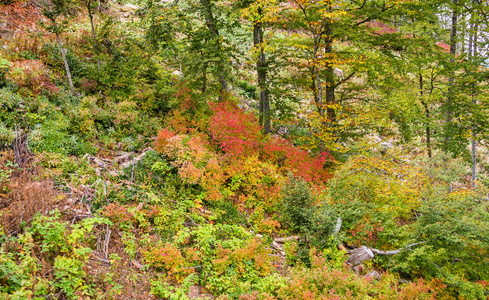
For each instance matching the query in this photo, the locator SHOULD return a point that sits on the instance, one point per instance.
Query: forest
(248, 149)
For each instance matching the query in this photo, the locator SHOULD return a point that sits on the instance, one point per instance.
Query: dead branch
(397, 251)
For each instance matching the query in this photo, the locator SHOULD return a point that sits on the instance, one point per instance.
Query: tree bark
(67, 68)
(453, 51)
(211, 25)
(473, 141)
(359, 255)
(330, 84)
(94, 37)
(427, 115)
(204, 77)
(261, 70)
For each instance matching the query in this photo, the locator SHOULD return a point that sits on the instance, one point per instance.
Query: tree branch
(345, 80)
(397, 251)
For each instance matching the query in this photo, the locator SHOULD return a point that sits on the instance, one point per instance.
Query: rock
(124, 157)
(114, 173)
(358, 269)
(135, 160)
(339, 73)
(6, 34)
(374, 274)
(137, 265)
(385, 146)
(99, 163)
(3, 24)
(128, 8)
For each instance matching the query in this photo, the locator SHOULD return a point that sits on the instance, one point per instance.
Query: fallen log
(284, 239)
(359, 255)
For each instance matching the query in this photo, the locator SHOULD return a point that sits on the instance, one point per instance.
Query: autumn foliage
(238, 134)
(236, 160)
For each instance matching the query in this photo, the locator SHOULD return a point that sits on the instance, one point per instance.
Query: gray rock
(128, 8)
(373, 274)
(7, 34)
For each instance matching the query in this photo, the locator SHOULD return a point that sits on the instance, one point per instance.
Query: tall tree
(261, 70)
(53, 10)
(91, 6)
(254, 11)
(212, 25)
(453, 52)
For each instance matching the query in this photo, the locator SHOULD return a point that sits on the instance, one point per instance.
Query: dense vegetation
(208, 149)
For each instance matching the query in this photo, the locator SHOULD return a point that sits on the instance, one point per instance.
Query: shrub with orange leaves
(323, 282)
(191, 116)
(196, 164)
(163, 139)
(253, 182)
(168, 258)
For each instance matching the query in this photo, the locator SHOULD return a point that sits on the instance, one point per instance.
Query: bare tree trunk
(359, 255)
(94, 35)
(67, 68)
(261, 69)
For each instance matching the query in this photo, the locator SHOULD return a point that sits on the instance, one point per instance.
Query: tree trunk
(427, 115)
(211, 25)
(359, 255)
(330, 84)
(261, 70)
(94, 37)
(204, 77)
(473, 141)
(453, 51)
(67, 68)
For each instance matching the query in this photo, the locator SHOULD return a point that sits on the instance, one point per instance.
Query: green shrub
(51, 136)
(4, 69)
(6, 136)
(248, 89)
(301, 213)
(10, 102)
(298, 205)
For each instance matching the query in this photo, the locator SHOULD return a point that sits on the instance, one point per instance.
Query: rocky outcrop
(5, 33)
(126, 11)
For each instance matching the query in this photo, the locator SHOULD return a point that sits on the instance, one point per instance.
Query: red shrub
(236, 132)
(296, 160)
